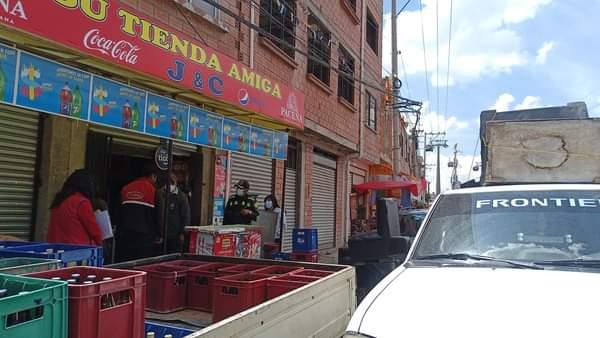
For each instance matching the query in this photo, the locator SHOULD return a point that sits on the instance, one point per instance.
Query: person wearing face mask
(240, 209)
(272, 205)
(178, 213)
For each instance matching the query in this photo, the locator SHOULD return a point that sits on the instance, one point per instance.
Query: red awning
(389, 185)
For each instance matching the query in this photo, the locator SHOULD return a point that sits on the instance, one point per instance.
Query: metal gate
(323, 199)
(258, 171)
(18, 158)
(291, 207)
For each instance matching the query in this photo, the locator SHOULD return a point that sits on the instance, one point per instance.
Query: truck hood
(481, 302)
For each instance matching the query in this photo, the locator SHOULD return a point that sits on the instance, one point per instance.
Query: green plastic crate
(23, 265)
(42, 312)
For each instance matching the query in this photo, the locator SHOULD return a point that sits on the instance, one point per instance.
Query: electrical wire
(405, 75)
(448, 69)
(473, 158)
(182, 13)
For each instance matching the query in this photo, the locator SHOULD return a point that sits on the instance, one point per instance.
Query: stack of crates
(68, 254)
(24, 265)
(305, 245)
(102, 302)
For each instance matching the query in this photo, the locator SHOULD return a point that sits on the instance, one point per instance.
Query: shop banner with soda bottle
(51, 87)
(117, 105)
(261, 142)
(8, 66)
(236, 136)
(166, 118)
(205, 128)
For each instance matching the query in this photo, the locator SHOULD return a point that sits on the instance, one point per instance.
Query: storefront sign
(52, 87)
(166, 118)
(117, 105)
(161, 157)
(236, 136)
(8, 66)
(220, 187)
(205, 128)
(261, 142)
(119, 34)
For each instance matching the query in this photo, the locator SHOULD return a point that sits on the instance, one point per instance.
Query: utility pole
(437, 140)
(454, 166)
(396, 94)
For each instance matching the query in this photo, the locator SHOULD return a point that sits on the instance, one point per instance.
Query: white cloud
(434, 122)
(505, 102)
(484, 40)
(542, 53)
(530, 102)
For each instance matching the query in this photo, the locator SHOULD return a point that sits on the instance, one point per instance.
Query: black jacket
(178, 212)
(233, 210)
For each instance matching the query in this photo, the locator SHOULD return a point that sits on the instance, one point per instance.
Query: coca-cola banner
(112, 31)
(117, 105)
(166, 118)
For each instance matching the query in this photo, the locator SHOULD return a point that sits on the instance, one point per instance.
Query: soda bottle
(179, 127)
(2, 84)
(174, 125)
(126, 115)
(135, 116)
(77, 103)
(66, 98)
(91, 278)
(150, 335)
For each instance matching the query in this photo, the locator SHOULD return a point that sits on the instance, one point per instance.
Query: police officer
(240, 208)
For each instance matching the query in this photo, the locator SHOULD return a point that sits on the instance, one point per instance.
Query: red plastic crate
(185, 264)
(239, 268)
(200, 284)
(234, 294)
(313, 273)
(277, 270)
(311, 257)
(103, 309)
(283, 284)
(167, 287)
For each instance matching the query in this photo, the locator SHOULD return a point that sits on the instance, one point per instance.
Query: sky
(504, 55)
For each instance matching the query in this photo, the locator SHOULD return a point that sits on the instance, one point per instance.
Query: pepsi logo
(243, 96)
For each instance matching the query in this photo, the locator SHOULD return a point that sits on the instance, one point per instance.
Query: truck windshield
(537, 226)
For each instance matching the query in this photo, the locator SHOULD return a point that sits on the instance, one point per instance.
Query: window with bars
(278, 18)
(203, 7)
(372, 33)
(346, 75)
(371, 111)
(319, 48)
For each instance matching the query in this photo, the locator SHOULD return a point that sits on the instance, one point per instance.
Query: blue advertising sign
(236, 136)
(261, 142)
(280, 145)
(8, 69)
(167, 118)
(53, 88)
(205, 128)
(117, 105)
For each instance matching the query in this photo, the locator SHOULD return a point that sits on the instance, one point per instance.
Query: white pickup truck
(504, 261)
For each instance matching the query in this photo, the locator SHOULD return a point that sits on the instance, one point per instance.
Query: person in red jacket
(72, 218)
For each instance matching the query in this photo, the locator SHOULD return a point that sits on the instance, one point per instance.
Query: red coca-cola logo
(120, 50)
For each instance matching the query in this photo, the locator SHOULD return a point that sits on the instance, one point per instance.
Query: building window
(319, 47)
(278, 18)
(372, 33)
(371, 111)
(203, 7)
(346, 76)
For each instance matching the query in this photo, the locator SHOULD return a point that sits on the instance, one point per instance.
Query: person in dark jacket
(240, 209)
(137, 231)
(178, 213)
(72, 218)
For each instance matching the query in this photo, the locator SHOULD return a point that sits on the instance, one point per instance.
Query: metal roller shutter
(258, 171)
(18, 157)
(323, 200)
(290, 208)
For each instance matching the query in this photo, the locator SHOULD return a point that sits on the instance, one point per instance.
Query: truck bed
(321, 309)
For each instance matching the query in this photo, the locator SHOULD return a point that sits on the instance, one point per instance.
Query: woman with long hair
(72, 218)
(272, 205)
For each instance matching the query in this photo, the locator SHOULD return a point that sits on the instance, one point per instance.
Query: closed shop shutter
(323, 200)
(18, 158)
(258, 171)
(291, 207)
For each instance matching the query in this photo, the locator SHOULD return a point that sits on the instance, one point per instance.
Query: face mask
(269, 204)
(240, 193)
(173, 188)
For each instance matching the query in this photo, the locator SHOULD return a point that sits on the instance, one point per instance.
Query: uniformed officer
(240, 208)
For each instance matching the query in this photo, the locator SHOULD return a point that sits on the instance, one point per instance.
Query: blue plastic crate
(10, 244)
(71, 255)
(161, 330)
(281, 256)
(305, 240)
